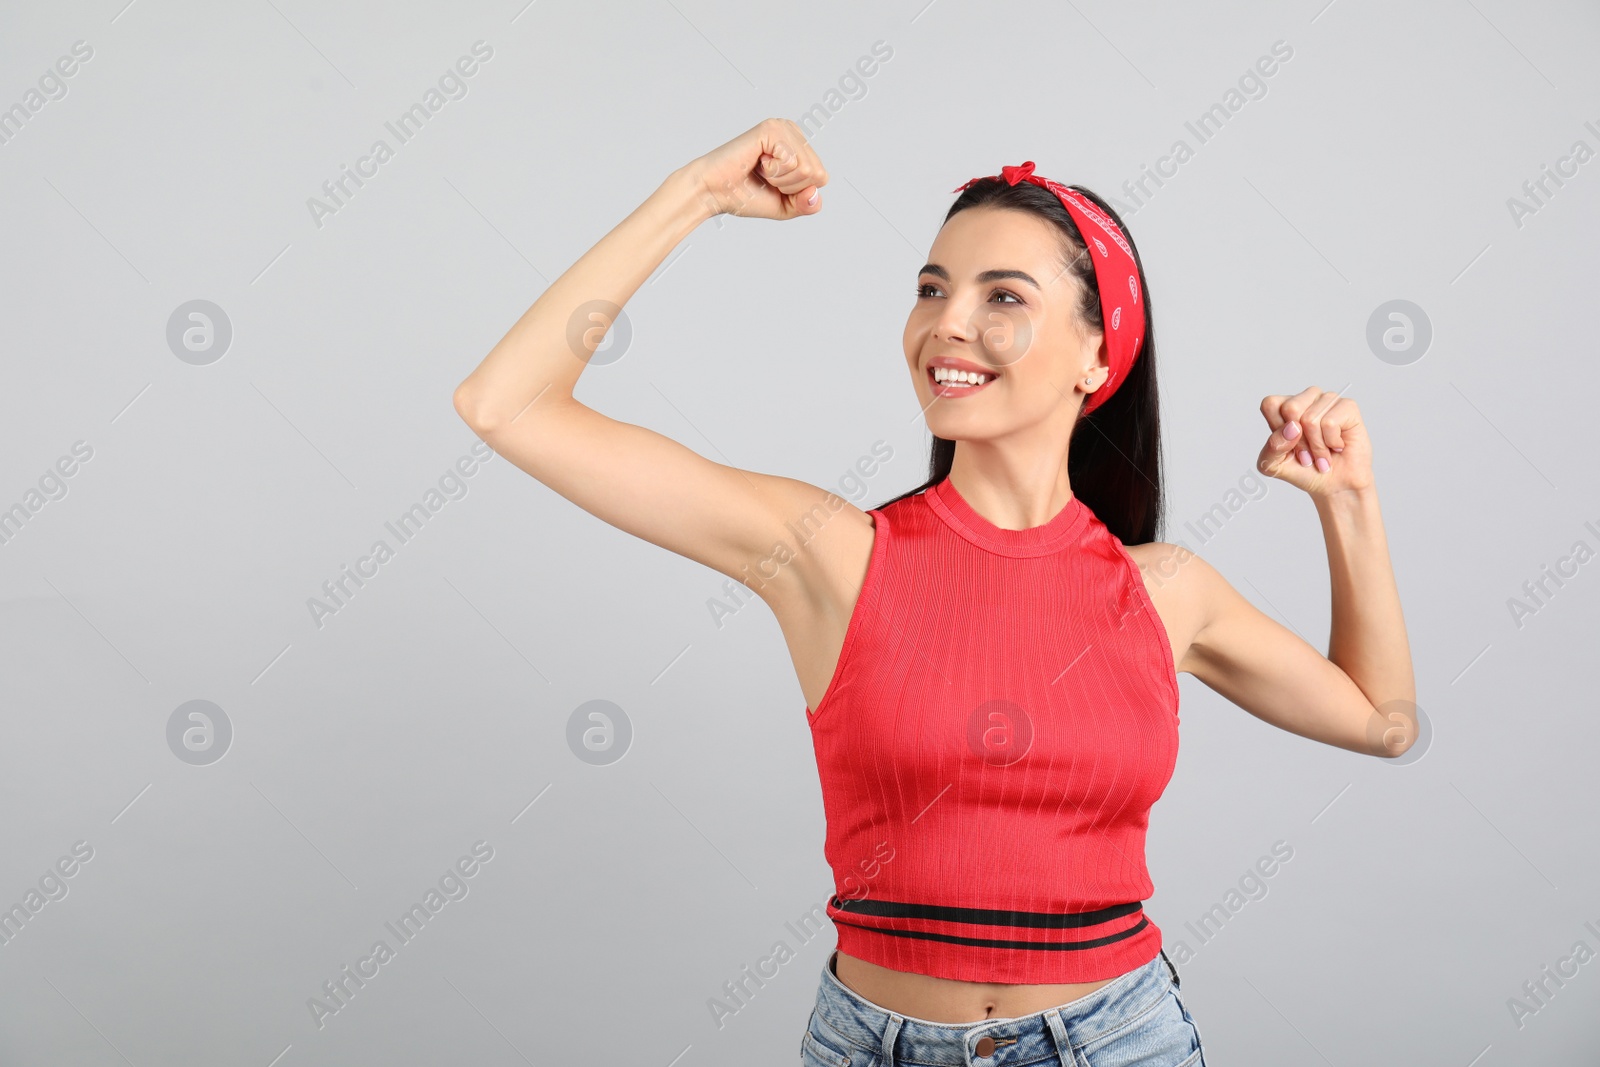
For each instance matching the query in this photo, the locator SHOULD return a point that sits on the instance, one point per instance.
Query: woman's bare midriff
(945, 1000)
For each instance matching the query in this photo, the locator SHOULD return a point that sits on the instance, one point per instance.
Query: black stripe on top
(985, 942)
(1038, 920)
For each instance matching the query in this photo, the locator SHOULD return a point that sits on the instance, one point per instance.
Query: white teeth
(959, 377)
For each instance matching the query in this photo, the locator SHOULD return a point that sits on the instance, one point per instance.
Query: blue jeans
(1136, 1018)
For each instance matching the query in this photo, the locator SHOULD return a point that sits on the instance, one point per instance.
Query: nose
(955, 324)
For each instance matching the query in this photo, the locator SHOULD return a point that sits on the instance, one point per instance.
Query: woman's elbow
(470, 407)
(1393, 727)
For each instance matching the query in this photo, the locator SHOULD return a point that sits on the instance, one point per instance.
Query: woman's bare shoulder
(1181, 587)
(824, 539)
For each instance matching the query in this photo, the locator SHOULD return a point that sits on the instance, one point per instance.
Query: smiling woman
(1005, 334)
(1011, 774)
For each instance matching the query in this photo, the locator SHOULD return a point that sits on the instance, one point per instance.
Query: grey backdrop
(173, 507)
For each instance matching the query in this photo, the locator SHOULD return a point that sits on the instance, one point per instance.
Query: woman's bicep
(651, 486)
(1272, 672)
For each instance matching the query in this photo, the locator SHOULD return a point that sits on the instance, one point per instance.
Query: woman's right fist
(767, 172)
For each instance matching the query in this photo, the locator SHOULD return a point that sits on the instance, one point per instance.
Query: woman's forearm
(1367, 638)
(543, 354)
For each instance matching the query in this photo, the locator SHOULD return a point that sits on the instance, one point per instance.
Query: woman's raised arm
(519, 399)
(1362, 695)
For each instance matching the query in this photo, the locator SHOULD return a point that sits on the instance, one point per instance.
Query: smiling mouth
(950, 382)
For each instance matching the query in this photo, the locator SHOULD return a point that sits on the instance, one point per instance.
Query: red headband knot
(1013, 175)
(1116, 274)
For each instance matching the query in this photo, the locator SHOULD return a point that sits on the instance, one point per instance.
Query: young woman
(992, 657)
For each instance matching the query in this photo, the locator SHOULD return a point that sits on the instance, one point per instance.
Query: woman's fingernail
(812, 200)
(1322, 464)
(1305, 458)
(1291, 430)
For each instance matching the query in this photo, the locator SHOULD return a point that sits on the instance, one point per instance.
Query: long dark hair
(1114, 458)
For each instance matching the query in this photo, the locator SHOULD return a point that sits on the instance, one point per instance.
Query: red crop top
(1003, 714)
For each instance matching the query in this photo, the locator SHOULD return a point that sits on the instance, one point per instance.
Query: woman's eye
(922, 291)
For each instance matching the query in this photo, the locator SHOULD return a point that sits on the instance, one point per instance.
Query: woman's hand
(767, 172)
(1318, 443)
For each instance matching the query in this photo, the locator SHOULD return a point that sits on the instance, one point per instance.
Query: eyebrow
(987, 276)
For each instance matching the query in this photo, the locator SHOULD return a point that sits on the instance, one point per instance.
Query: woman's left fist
(1317, 444)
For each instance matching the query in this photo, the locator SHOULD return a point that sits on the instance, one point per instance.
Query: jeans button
(985, 1046)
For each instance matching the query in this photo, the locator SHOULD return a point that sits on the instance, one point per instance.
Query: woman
(992, 657)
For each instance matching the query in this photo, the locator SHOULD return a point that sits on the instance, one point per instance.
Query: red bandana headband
(1116, 276)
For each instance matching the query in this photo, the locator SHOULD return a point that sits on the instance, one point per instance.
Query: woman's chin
(958, 428)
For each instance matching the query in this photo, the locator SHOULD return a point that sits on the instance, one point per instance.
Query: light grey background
(369, 753)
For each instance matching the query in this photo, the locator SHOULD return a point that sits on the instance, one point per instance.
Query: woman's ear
(1094, 374)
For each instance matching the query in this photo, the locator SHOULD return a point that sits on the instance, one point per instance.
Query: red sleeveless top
(1003, 714)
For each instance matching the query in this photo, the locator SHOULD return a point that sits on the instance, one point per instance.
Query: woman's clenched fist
(767, 172)
(1318, 442)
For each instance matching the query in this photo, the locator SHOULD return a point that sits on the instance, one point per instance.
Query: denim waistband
(848, 1020)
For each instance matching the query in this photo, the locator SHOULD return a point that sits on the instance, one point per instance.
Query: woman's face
(995, 298)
